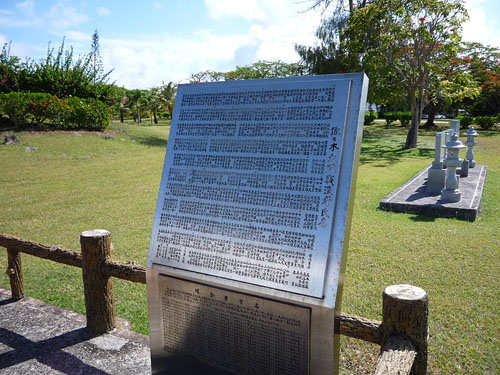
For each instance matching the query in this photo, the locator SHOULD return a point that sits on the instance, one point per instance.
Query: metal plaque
(236, 331)
(249, 184)
(248, 248)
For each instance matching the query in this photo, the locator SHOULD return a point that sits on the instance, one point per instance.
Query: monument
(436, 173)
(248, 247)
(451, 193)
(435, 190)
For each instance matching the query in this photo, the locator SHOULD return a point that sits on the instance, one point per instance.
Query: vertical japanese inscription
(235, 331)
(249, 183)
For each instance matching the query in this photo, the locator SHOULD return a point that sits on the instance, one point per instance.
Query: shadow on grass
(381, 151)
(151, 140)
(423, 218)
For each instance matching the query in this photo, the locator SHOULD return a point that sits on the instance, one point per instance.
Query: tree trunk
(155, 117)
(432, 115)
(121, 116)
(411, 137)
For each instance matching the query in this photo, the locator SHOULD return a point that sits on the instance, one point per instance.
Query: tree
(207, 76)
(409, 41)
(258, 70)
(483, 63)
(453, 84)
(168, 92)
(95, 57)
(9, 66)
(266, 69)
(136, 103)
(59, 73)
(331, 56)
(154, 103)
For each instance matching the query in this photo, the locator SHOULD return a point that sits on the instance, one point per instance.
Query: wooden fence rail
(402, 334)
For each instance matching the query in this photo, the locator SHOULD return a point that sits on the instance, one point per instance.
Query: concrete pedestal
(413, 198)
(464, 169)
(435, 180)
(451, 195)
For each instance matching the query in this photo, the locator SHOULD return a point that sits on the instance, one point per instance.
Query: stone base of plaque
(179, 364)
(413, 197)
(205, 329)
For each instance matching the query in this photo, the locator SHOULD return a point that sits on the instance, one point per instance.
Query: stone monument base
(435, 180)
(413, 198)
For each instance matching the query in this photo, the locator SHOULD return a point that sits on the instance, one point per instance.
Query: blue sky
(150, 41)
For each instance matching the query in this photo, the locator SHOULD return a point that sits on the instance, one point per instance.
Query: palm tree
(168, 92)
(155, 102)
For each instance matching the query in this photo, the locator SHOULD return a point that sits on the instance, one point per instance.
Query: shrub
(485, 122)
(370, 116)
(45, 110)
(15, 106)
(465, 121)
(90, 114)
(404, 118)
(390, 117)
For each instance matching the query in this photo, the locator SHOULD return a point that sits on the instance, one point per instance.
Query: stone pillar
(464, 168)
(451, 193)
(447, 137)
(470, 143)
(436, 174)
(455, 127)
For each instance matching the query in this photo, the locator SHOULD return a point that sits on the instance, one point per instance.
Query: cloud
(481, 27)
(101, 11)
(146, 62)
(158, 5)
(61, 16)
(22, 50)
(249, 9)
(75, 35)
(27, 7)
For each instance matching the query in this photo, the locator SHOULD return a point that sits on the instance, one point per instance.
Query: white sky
(147, 42)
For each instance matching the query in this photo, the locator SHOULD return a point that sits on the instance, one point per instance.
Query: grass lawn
(79, 181)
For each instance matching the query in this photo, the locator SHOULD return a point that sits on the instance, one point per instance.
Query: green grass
(81, 181)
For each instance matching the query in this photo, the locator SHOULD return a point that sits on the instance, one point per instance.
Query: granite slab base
(38, 338)
(413, 198)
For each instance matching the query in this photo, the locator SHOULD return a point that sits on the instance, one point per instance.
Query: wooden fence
(402, 333)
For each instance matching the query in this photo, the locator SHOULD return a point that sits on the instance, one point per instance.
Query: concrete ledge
(412, 197)
(38, 338)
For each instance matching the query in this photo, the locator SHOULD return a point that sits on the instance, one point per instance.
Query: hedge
(370, 116)
(485, 122)
(42, 111)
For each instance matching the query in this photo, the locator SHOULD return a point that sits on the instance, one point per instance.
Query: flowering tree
(408, 40)
(483, 63)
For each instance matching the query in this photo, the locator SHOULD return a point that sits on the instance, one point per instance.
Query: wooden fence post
(15, 273)
(405, 313)
(98, 288)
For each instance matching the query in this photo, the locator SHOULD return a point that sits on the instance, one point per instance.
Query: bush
(370, 116)
(404, 118)
(465, 121)
(90, 114)
(390, 117)
(485, 122)
(44, 110)
(15, 106)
